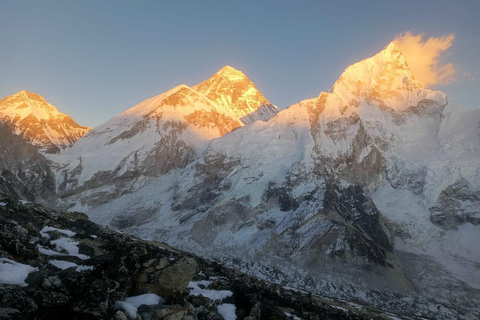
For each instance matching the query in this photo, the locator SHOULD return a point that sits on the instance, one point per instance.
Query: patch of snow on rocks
(227, 310)
(211, 294)
(12, 272)
(46, 229)
(131, 304)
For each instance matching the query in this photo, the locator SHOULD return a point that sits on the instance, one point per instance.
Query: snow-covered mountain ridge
(161, 134)
(370, 191)
(39, 122)
(374, 174)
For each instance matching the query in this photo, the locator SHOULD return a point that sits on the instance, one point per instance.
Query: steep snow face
(233, 91)
(39, 122)
(161, 134)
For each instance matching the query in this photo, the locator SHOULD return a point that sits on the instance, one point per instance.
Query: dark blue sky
(94, 59)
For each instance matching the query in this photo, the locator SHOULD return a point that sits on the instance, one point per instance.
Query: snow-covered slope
(39, 122)
(161, 134)
(369, 191)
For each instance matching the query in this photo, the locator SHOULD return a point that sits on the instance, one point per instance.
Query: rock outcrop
(24, 171)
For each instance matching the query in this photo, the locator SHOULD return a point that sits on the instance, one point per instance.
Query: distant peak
(21, 94)
(231, 73)
(24, 94)
(389, 62)
(391, 52)
(381, 76)
(390, 47)
(230, 69)
(232, 90)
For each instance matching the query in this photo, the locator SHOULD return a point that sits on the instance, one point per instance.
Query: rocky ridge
(80, 270)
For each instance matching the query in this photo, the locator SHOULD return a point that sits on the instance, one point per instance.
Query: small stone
(51, 283)
(162, 263)
(149, 263)
(10, 314)
(119, 315)
(256, 311)
(171, 279)
(174, 312)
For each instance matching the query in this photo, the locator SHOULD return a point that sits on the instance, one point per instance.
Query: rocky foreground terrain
(61, 265)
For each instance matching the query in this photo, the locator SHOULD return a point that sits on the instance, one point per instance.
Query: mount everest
(368, 192)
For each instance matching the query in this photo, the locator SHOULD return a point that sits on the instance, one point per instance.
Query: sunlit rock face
(385, 80)
(159, 135)
(39, 122)
(233, 91)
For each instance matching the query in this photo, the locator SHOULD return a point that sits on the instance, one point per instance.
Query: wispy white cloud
(423, 57)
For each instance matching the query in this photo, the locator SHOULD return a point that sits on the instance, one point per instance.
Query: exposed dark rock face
(115, 266)
(24, 172)
(457, 204)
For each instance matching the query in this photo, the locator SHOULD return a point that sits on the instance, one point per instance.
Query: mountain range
(367, 192)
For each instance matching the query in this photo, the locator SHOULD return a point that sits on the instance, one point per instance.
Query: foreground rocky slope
(60, 265)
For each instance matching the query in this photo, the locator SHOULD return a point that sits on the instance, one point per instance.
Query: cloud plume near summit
(424, 57)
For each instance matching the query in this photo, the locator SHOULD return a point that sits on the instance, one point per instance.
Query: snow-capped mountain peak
(231, 74)
(24, 104)
(39, 122)
(233, 91)
(385, 80)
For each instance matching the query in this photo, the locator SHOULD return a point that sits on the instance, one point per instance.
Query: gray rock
(170, 279)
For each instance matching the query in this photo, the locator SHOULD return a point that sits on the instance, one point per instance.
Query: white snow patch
(84, 268)
(46, 229)
(131, 304)
(227, 310)
(67, 264)
(12, 272)
(49, 252)
(62, 264)
(294, 317)
(211, 294)
(70, 246)
(3, 204)
(340, 308)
